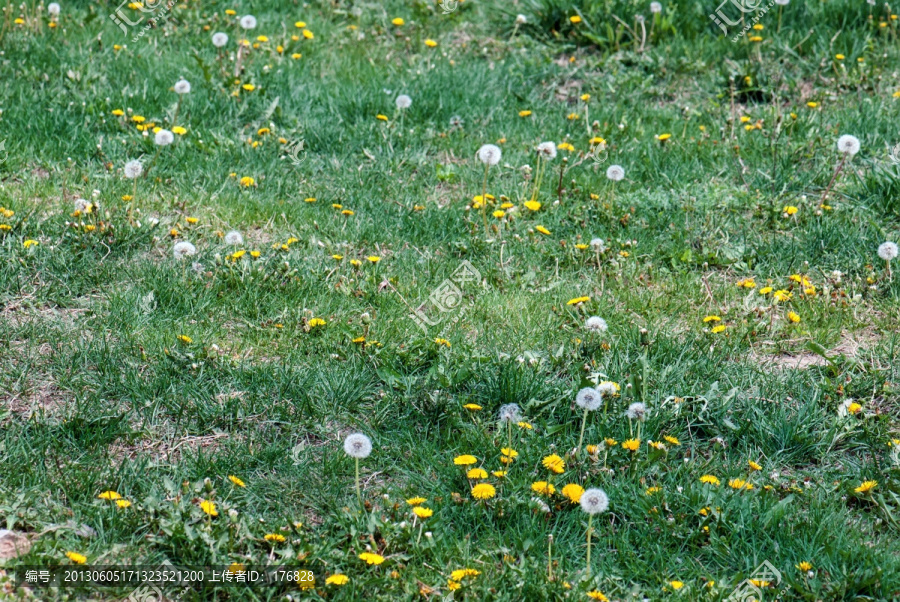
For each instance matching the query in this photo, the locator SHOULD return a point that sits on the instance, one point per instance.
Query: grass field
(187, 405)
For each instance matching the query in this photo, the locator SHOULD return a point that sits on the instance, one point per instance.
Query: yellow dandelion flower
(483, 491)
(554, 464)
(573, 492)
(76, 557)
(236, 481)
(398, 21)
(543, 488)
(109, 495)
(476, 473)
(542, 230)
(709, 480)
(209, 508)
(371, 558)
(578, 300)
(465, 460)
(337, 579)
(274, 537)
(866, 487)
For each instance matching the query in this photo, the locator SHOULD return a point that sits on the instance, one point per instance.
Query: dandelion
(371, 558)
(488, 154)
(655, 8)
(597, 595)
(403, 101)
(123, 504)
(248, 22)
(866, 487)
(358, 446)
(274, 537)
(888, 251)
(631, 444)
(543, 488)
(164, 138)
(236, 481)
(476, 474)
(593, 501)
(209, 508)
(465, 460)
(508, 414)
(182, 249)
(233, 237)
(109, 495)
(554, 464)
(483, 491)
(589, 399)
(219, 39)
(596, 324)
(573, 492)
(182, 86)
(709, 480)
(53, 9)
(133, 169)
(848, 146)
(615, 173)
(636, 411)
(337, 579)
(76, 557)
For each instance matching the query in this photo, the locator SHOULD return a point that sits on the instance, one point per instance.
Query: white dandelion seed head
(540, 505)
(183, 249)
(233, 237)
(607, 388)
(521, 19)
(509, 412)
(53, 8)
(403, 101)
(616, 173)
(164, 138)
(133, 169)
(358, 446)
(182, 86)
(594, 501)
(636, 411)
(547, 150)
(848, 144)
(489, 154)
(655, 8)
(782, 2)
(248, 22)
(588, 398)
(82, 205)
(598, 244)
(596, 324)
(456, 121)
(887, 250)
(219, 39)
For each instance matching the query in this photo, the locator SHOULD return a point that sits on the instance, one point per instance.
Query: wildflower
(543, 488)
(399, 22)
(183, 249)
(573, 492)
(123, 504)
(431, 43)
(594, 501)
(657, 445)
(109, 495)
(578, 300)
(483, 491)
(672, 440)
(381, 117)
(247, 181)
(314, 322)
(358, 446)
(739, 484)
(403, 101)
(608, 388)
(373, 258)
(575, 19)
(415, 501)
(164, 138)
(219, 39)
(274, 537)
(489, 154)
(53, 9)
(476, 473)
(565, 146)
(547, 150)
(866, 487)
(676, 584)
(887, 251)
(554, 464)
(521, 19)
(371, 558)
(709, 480)
(133, 169)
(782, 295)
(597, 594)
(588, 398)
(209, 508)
(509, 413)
(182, 86)
(183, 338)
(509, 452)
(663, 137)
(596, 324)
(793, 317)
(804, 566)
(442, 342)
(248, 22)
(532, 205)
(631, 444)
(708, 319)
(337, 579)
(473, 407)
(524, 425)
(848, 144)
(753, 465)
(652, 490)
(236, 481)
(233, 237)
(615, 173)
(465, 460)
(525, 113)
(636, 411)
(76, 557)
(655, 8)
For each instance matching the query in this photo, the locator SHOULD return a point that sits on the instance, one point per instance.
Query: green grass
(99, 393)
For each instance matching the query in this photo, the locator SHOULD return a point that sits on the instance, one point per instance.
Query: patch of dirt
(849, 346)
(167, 450)
(13, 544)
(44, 398)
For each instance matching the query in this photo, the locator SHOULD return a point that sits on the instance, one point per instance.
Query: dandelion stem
(589, 529)
(153, 161)
(581, 436)
(833, 178)
(484, 199)
(358, 492)
(177, 108)
(550, 557)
